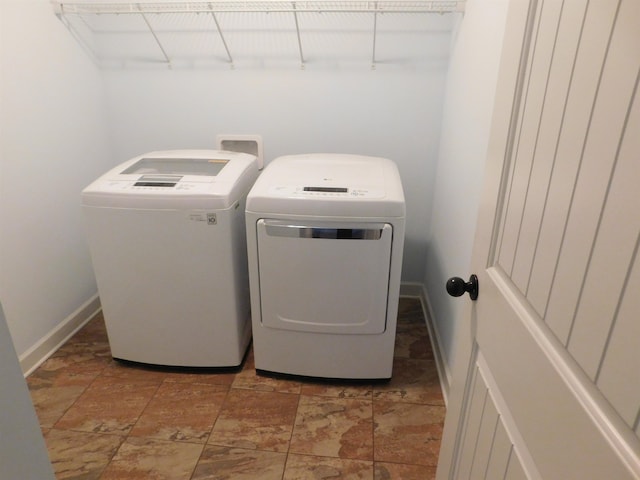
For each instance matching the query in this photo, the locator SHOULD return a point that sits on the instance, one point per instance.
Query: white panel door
(547, 379)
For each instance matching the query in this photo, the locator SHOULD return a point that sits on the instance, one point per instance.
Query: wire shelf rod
(441, 6)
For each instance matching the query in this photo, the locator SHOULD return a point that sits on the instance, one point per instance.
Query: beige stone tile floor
(106, 420)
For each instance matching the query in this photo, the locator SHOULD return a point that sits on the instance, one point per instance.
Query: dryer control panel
(325, 192)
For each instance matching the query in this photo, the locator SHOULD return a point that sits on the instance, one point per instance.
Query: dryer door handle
(331, 233)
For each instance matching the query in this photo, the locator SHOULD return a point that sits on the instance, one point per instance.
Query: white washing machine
(167, 238)
(325, 235)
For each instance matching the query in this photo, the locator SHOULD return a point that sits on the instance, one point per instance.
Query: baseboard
(42, 350)
(417, 290)
(36, 355)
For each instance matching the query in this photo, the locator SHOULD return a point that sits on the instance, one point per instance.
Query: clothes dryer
(166, 233)
(325, 236)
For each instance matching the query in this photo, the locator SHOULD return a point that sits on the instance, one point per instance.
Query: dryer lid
(329, 185)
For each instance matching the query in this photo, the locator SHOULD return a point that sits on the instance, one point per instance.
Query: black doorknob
(457, 287)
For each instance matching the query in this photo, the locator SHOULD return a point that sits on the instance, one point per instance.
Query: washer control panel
(155, 186)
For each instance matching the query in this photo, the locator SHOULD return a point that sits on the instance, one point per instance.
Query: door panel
(525, 146)
(619, 225)
(554, 331)
(555, 75)
(303, 270)
(487, 449)
(545, 392)
(599, 153)
(584, 59)
(618, 375)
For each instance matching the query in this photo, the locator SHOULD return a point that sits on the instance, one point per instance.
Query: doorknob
(457, 287)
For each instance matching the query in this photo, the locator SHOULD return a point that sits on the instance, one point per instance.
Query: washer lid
(329, 185)
(209, 167)
(175, 179)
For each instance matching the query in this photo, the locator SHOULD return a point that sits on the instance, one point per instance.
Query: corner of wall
(418, 290)
(43, 349)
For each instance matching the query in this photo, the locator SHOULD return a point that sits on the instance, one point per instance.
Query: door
(304, 267)
(548, 378)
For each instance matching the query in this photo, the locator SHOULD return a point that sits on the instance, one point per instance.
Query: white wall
(53, 141)
(393, 111)
(465, 133)
(60, 116)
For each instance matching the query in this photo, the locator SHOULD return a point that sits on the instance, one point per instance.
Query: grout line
(370, 401)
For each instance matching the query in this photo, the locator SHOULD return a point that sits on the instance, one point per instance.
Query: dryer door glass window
(325, 278)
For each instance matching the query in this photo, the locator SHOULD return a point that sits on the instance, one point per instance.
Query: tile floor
(104, 420)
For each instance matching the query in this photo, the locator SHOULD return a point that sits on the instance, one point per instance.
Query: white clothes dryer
(166, 233)
(325, 235)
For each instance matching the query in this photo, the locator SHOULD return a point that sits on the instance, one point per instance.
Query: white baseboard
(42, 350)
(36, 355)
(418, 290)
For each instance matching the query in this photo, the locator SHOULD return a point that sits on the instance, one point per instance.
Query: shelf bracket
(79, 38)
(224, 42)
(146, 20)
(295, 17)
(375, 34)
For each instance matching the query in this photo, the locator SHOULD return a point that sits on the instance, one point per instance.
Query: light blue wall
(341, 106)
(369, 113)
(465, 133)
(64, 121)
(53, 142)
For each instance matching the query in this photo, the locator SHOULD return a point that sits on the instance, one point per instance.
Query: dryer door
(324, 277)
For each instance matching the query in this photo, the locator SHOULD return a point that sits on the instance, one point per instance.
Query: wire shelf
(152, 28)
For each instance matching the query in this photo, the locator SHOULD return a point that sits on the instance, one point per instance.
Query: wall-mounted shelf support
(224, 42)
(375, 35)
(79, 39)
(144, 9)
(295, 17)
(166, 57)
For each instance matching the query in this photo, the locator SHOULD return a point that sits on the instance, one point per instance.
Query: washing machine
(325, 236)
(167, 239)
